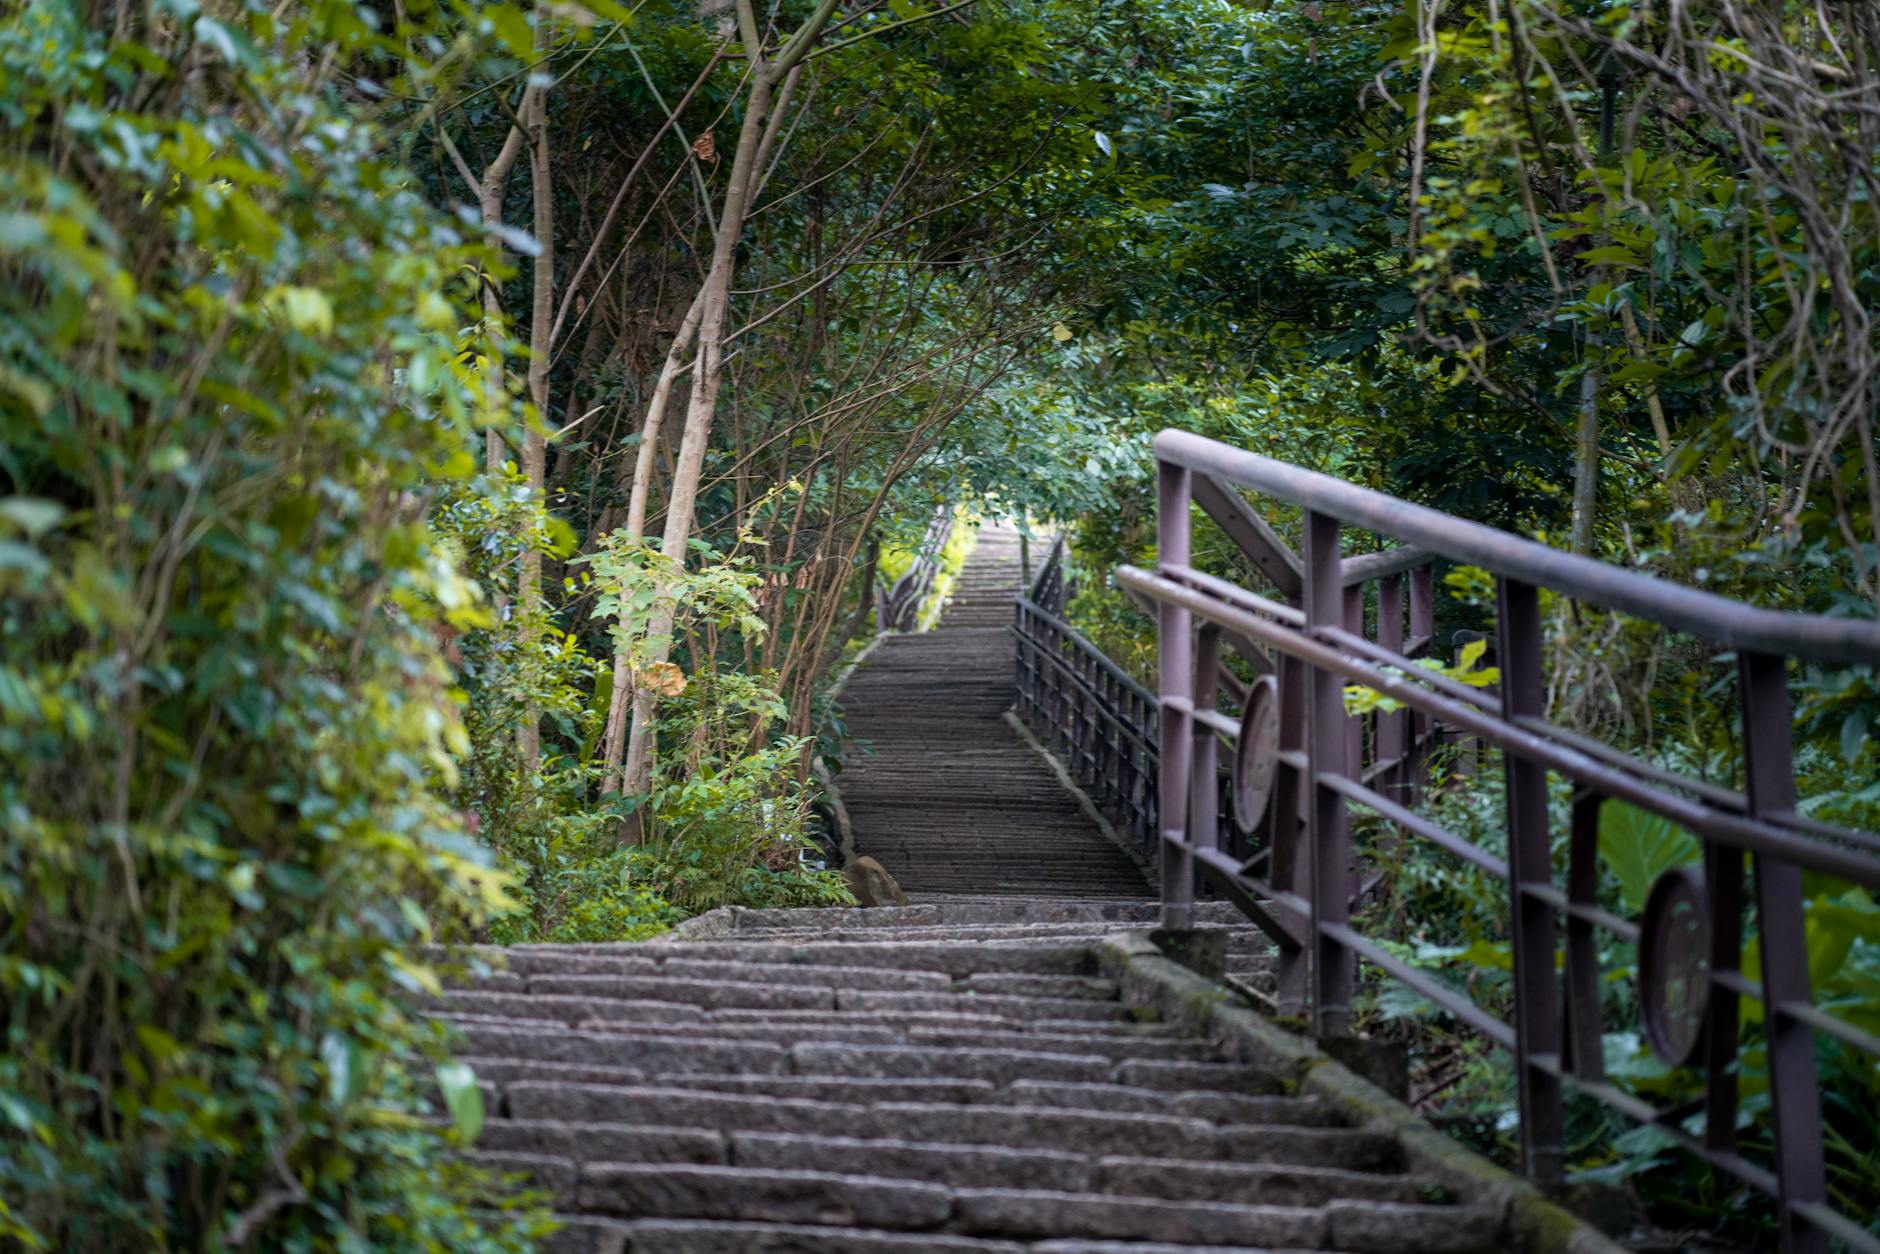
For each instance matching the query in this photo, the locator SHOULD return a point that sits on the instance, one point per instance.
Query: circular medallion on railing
(1674, 965)
(1256, 754)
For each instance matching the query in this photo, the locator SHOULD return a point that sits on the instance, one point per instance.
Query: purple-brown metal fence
(1303, 761)
(1093, 715)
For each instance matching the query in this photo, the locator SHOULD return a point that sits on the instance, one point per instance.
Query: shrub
(227, 373)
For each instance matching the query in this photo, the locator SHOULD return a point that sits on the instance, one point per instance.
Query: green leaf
(1639, 846)
(1853, 736)
(1611, 255)
(336, 1057)
(306, 309)
(31, 514)
(160, 1045)
(462, 1098)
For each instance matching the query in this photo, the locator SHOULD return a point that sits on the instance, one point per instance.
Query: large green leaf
(1638, 846)
(462, 1098)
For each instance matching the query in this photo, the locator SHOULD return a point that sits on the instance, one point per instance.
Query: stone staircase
(948, 797)
(980, 1077)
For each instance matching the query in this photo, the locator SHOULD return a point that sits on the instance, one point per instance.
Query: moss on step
(1149, 977)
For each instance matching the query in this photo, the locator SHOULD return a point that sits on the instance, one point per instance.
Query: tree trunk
(615, 739)
(1586, 459)
(755, 138)
(534, 439)
(490, 204)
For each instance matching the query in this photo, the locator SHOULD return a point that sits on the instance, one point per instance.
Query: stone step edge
(624, 1190)
(601, 1235)
(1123, 1176)
(1148, 977)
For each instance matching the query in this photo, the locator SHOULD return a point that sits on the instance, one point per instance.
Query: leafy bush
(730, 810)
(727, 814)
(228, 371)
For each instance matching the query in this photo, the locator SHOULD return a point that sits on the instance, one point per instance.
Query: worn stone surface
(939, 1086)
(702, 1237)
(999, 1066)
(965, 1166)
(1034, 1213)
(587, 1234)
(1370, 1228)
(596, 1141)
(804, 1197)
(1267, 1185)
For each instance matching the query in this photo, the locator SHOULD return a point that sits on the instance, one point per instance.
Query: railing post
(1422, 628)
(1768, 761)
(1588, 1060)
(1354, 727)
(1204, 792)
(1723, 901)
(1328, 745)
(1530, 862)
(1290, 865)
(1175, 677)
(1391, 740)
(1019, 629)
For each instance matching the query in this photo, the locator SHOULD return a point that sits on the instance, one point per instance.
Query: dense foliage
(229, 386)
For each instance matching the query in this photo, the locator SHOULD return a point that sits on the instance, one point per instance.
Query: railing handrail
(1690, 610)
(1051, 567)
(1302, 765)
(1087, 647)
(1095, 715)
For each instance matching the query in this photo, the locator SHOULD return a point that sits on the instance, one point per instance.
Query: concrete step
(744, 1193)
(584, 1234)
(1015, 1127)
(953, 1076)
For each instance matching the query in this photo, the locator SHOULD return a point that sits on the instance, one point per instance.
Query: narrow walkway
(952, 800)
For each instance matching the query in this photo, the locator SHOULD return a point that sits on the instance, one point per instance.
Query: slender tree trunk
(756, 136)
(490, 205)
(646, 457)
(614, 742)
(534, 440)
(1586, 459)
(1586, 446)
(707, 375)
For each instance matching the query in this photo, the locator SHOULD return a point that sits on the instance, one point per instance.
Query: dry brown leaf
(663, 679)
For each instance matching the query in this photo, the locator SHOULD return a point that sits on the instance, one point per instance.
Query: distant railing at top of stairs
(1094, 716)
(899, 606)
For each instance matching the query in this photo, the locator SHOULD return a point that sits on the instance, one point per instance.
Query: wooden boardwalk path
(952, 800)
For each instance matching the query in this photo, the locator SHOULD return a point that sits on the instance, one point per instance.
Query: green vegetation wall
(228, 380)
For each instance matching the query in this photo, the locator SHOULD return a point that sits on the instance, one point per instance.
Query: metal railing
(1302, 760)
(899, 606)
(1095, 717)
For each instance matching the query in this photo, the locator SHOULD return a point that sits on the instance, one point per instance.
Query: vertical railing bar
(1175, 672)
(1587, 1059)
(1290, 863)
(1392, 734)
(1204, 791)
(1328, 745)
(1423, 627)
(1723, 901)
(1352, 615)
(1537, 1027)
(1768, 762)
